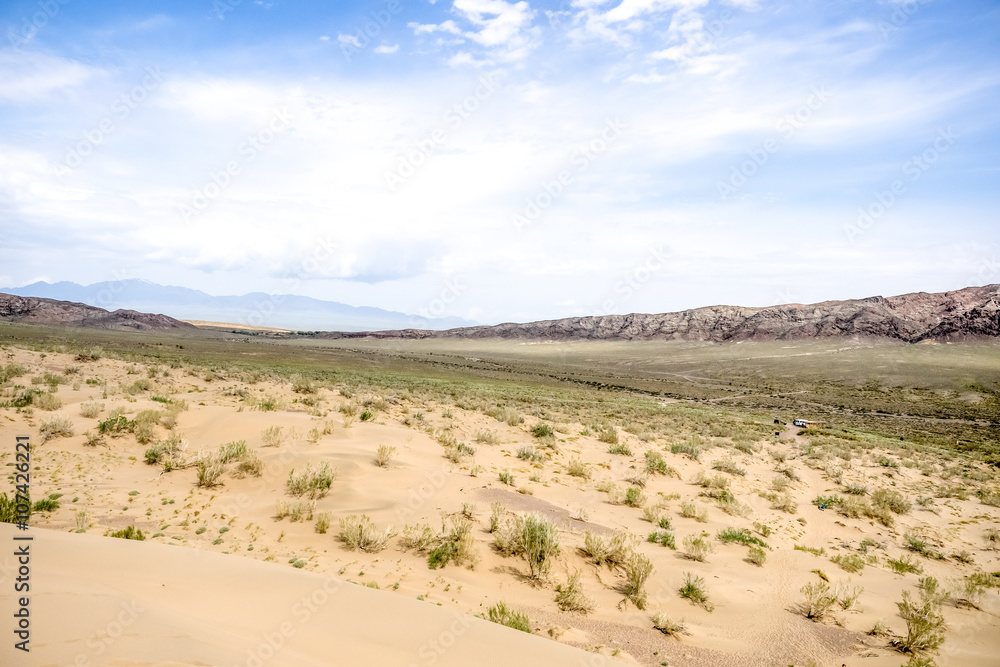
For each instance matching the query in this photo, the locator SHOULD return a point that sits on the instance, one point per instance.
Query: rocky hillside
(973, 312)
(33, 310)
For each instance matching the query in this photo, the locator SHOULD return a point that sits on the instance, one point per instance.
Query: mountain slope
(969, 312)
(32, 310)
(256, 308)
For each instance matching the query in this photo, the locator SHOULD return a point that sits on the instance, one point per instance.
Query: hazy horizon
(503, 161)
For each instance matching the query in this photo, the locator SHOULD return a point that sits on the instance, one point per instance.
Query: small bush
(689, 449)
(740, 536)
(570, 596)
(210, 469)
(129, 533)
(529, 453)
(891, 500)
(56, 427)
(501, 614)
(91, 409)
(657, 465)
(819, 600)
(577, 468)
(697, 548)
(384, 455)
(693, 589)
(322, 523)
(663, 538)
(609, 434)
(487, 437)
(730, 466)
(249, 464)
(539, 539)
(634, 497)
(311, 483)
(757, 556)
(904, 565)
(924, 625)
(852, 563)
(299, 511)
(45, 505)
(637, 568)
(419, 537)
(543, 431)
(506, 477)
(45, 401)
(691, 511)
(614, 550)
(667, 626)
(272, 436)
(620, 449)
(360, 532)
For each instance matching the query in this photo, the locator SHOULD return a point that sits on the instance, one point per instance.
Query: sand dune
(101, 601)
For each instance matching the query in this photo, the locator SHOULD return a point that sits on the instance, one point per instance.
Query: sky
(504, 161)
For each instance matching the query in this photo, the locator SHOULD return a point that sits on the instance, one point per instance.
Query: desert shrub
(56, 427)
(313, 483)
(614, 550)
(855, 489)
(730, 466)
(852, 563)
(731, 506)
(529, 453)
(924, 625)
(209, 469)
(9, 509)
(543, 431)
(762, 528)
(891, 500)
(663, 538)
(506, 477)
(696, 547)
(272, 436)
(693, 589)
(540, 543)
(651, 514)
(322, 523)
(570, 596)
(45, 401)
(577, 468)
(848, 597)
(503, 615)
(691, 511)
(419, 537)
(668, 626)
(360, 532)
(497, 512)
(232, 451)
(740, 536)
(634, 497)
(609, 434)
(455, 545)
(115, 425)
(757, 556)
(91, 409)
(128, 533)
(689, 449)
(384, 455)
(249, 464)
(637, 570)
(819, 600)
(45, 505)
(917, 543)
(904, 565)
(620, 448)
(657, 465)
(298, 511)
(487, 437)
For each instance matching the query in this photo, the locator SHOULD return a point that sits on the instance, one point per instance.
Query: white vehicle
(800, 422)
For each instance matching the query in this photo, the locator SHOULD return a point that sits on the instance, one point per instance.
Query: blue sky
(502, 160)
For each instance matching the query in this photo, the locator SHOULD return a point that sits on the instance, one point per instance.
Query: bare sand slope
(101, 601)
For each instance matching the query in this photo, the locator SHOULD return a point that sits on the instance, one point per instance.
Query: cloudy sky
(502, 160)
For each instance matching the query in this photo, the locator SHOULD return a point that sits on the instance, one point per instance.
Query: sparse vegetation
(360, 533)
(500, 613)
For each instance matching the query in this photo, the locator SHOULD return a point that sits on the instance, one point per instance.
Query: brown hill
(34, 310)
(973, 312)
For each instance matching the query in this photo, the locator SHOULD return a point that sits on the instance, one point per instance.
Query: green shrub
(664, 538)
(819, 600)
(757, 556)
(693, 589)
(91, 409)
(501, 614)
(904, 565)
(667, 626)
(609, 434)
(634, 497)
(689, 449)
(614, 550)
(543, 431)
(637, 569)
(697, 548)
(360, 532)
(620, 448)
(577, 468)
(741, 536)
(45, 505)
(852, 563)
(657, 465)
(311, 483)
(129, 533)
(570, 596)
(507, 478)
(56, 427)
(924, 625)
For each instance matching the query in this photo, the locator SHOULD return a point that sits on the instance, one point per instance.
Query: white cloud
(502, 28)
(30, 76)
(384, 48)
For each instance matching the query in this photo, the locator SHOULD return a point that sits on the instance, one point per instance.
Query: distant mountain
(973, 312)
(256, 308)
(34, 310)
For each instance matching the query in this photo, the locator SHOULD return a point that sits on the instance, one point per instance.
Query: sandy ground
(215, 577)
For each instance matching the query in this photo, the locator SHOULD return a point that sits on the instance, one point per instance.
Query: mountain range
(282, 311)
(972, 312)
